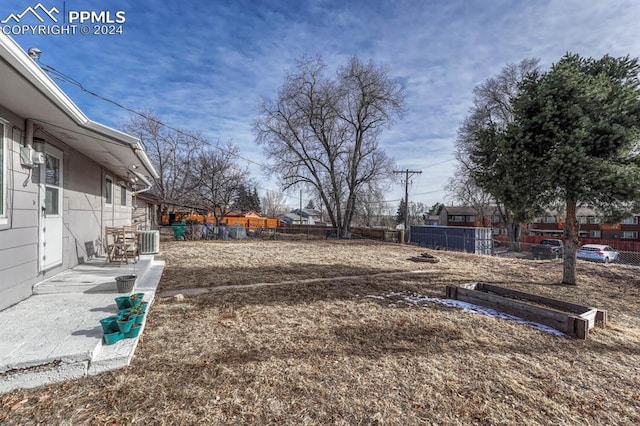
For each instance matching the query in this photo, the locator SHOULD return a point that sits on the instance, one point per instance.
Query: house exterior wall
(144, 214)
(19, 225)
(85, 214)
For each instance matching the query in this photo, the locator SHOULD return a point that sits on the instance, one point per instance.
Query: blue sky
(203, 65)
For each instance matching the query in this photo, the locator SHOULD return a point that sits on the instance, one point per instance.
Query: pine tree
(574, 139)
(255, 201)
(400, 212)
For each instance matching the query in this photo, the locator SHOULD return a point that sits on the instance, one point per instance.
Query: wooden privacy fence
(251, 222)
(330, 232)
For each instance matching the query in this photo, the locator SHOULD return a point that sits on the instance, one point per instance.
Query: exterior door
(51, 224)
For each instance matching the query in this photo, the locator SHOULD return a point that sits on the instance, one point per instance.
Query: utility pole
(300, 211)
(407, 173)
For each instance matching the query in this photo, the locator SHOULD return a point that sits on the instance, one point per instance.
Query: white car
(598, 253)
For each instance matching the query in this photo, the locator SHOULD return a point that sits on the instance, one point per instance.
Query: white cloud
(204, 65)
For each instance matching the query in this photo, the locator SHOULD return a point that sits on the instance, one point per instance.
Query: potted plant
(138, 314)
(125, 322)
(136, 299)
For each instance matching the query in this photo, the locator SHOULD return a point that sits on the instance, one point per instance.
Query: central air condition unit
(149, 242)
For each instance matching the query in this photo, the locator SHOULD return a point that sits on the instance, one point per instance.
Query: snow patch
(419, 299)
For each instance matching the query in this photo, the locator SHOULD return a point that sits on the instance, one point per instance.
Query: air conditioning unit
(149, 242)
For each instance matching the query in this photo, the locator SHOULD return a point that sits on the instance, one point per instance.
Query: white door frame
(51, 216)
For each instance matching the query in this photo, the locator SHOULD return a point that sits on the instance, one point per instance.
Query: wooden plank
(452, 292)
(560, 304)
(557, 320)
(601, 317)
(590, 316)
(580, 327)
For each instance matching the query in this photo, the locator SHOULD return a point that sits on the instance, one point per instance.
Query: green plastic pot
(125, 326)
(134, 332)
(112, 338)
(109, 324)
(139, 319)
(123, 302)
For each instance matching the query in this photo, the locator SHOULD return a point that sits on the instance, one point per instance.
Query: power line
(58, 75)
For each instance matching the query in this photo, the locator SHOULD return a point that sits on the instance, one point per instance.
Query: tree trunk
(513, 232)
(570, 244)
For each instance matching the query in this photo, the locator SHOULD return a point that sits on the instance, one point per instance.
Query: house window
(3, 189)
(471, 218)
(495, 218)
(123, 195)
(594, 220)
(550, 219)
(457, 218)
(595, 234)
(630, 221)
(632, 235)
(582, 219)
(108, 190)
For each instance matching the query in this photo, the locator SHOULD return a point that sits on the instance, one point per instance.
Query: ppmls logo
(52, 22)
(33, 11)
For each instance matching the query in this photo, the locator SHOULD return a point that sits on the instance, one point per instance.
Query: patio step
(55, 336)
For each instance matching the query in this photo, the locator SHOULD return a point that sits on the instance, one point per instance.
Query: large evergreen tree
(575, 139)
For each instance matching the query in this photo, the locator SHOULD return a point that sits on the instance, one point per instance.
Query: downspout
(28, 133)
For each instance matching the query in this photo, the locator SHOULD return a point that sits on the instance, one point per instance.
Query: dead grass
(328, 353)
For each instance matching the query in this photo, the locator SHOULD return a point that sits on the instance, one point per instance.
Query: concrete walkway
(55, 334)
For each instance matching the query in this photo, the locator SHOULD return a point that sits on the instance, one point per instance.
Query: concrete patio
(55, 334)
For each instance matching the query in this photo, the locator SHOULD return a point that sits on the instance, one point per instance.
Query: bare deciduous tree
(322, 133)
(217, 179)
(171, 152)
(492, 108)
(273, 204)
(461, 188)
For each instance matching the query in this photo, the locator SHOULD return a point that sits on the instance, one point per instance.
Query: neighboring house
(458, 216)
(432, 220)
(295, 219)
(63, 177)
(551, 224)
(304, 217)
(591, 226)
(144, 211)
(250, 214)
(313, 214)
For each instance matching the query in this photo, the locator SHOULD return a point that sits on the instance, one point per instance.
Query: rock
(178, 298)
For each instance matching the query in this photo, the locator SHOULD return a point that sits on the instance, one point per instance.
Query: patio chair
(122, 244)
(114, 239)
(131, 243)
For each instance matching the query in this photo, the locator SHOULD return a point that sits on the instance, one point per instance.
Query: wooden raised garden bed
(569, 318)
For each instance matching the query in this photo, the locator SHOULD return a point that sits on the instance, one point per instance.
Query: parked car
(598, 253)
(548, 249)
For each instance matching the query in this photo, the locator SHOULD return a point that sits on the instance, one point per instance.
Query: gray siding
(85, 215)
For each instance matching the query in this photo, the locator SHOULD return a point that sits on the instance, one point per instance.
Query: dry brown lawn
(308, 346)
